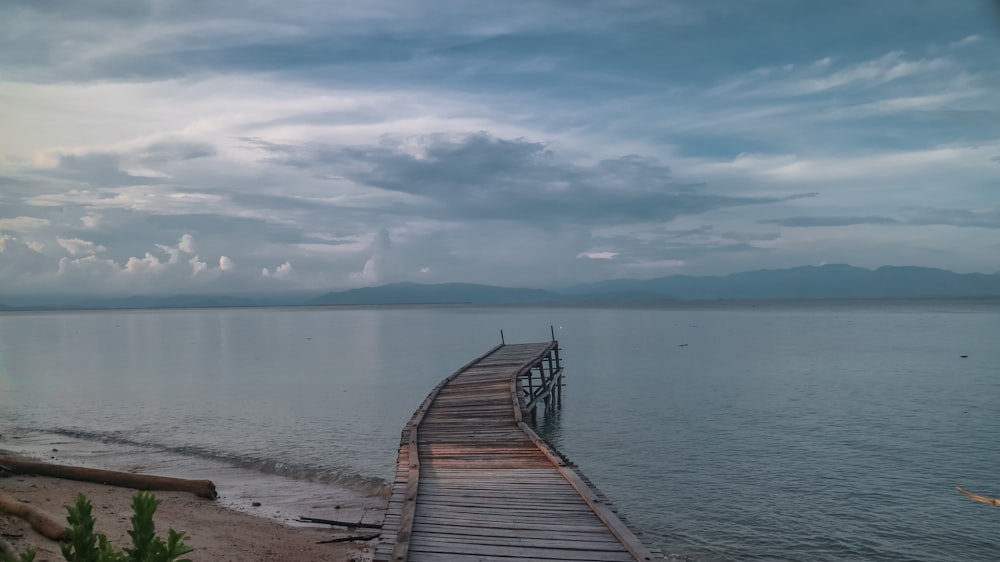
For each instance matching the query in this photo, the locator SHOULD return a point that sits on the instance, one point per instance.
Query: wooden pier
(475, 482)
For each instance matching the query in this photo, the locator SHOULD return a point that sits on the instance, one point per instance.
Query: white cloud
(899, 167)
(186, 244)
(379, 267)
(886, 68)
(197, 266)
(225, 263)
(147, 273)
(134, 198)
(21, 224)
(598, 255)
(897, 105)
(965, 42)
(283, 271)
(14, 248)
(91, 267)
(76, 246)
(149, 264)
(823, 76)
(90, 221)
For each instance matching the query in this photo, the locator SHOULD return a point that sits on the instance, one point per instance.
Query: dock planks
(474, 482)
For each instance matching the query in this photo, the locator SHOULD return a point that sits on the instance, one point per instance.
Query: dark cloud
(215, 226)
(751, 236)
(690, 244)
(109, 169)
(223, 35)
(173, 151)
(982, 218)
(107, 9)
(482, 176)
(829, 221)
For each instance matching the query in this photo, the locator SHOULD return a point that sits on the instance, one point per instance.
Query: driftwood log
(202, 488)
(978, 498)
(40, 521)
(335, 523)
(351, 539)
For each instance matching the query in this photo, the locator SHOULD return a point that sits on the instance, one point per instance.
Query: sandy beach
(216, 533)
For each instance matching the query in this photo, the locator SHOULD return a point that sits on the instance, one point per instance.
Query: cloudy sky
(184, 146)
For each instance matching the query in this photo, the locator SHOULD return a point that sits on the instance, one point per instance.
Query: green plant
(26, 556)
(84, 545)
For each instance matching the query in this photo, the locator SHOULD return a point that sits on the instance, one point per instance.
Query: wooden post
(548, 386)
(501, 338)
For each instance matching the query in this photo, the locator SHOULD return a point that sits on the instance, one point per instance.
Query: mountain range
(806, 282)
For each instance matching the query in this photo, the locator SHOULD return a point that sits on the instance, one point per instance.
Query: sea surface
(804, 431)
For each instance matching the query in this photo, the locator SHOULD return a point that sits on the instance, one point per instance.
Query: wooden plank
(547, 525)
(441, 557)
(526, 530)
(421, 544)
(559, 542)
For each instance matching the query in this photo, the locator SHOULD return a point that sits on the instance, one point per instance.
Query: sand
(217, 534)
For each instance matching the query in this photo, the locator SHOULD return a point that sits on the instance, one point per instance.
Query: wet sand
(217, 534)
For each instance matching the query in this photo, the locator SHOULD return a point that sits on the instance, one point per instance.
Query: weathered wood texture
(202, 488)
(46, 525)
(474, 482)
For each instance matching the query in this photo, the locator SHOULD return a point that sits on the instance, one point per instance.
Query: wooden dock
(474, 481)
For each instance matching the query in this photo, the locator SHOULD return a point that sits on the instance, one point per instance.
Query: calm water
(804, 431)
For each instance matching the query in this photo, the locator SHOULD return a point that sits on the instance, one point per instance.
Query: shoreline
(254, 519)
(217, 533)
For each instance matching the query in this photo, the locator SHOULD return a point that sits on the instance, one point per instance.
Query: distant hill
(149, 301)
(807, 282)
(445, 293)
(811, 282)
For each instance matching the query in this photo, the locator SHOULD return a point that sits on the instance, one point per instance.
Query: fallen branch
(202, 488)
(347, 524)
(350, 539)
(978, 498)
(40, 521)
